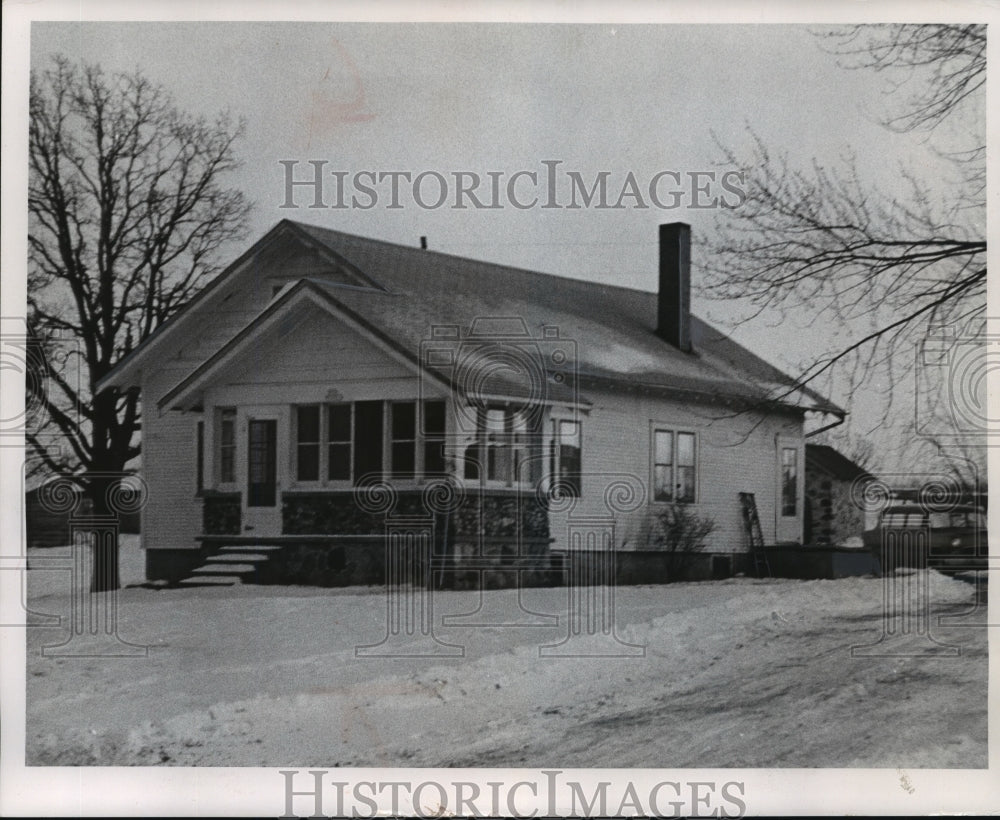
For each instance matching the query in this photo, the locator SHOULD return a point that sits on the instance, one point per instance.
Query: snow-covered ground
(736, 673)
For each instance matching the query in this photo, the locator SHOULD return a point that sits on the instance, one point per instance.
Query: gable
(302, 336)
(234, 297)
(293, 257)
(312, 346)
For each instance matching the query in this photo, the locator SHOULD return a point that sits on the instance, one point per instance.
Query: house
(327, 391)
(834, 487)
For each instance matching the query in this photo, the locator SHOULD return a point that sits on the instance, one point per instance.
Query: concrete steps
(230, 565)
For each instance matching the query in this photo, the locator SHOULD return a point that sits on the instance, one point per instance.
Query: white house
(508, 406)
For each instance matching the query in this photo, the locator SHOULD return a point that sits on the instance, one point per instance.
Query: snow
(743, 672)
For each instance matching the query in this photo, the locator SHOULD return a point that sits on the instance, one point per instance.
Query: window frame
(419, 442)
(298, 444)
(512, 439)
(326, 442)
(227, 414)
(795, 483)
(674, 433)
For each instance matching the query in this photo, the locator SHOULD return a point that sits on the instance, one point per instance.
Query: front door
(262, 513)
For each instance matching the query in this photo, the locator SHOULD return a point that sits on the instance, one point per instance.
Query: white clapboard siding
(734, 454)
(172, 516)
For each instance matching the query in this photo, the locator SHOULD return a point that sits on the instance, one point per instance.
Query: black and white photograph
(496, 412)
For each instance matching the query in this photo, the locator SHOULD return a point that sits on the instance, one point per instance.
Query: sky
(506, 98)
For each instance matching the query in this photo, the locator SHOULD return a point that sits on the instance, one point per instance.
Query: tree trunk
(104, 544)
(105, 577)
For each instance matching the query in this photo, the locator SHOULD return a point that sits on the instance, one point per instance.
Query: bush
(680, 532)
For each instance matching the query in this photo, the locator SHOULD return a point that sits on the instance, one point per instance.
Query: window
(789, 481)
(338, 442)
(663, 465)
(308, 443)
(368, 437)
(227, 446)
(684, 480)
(566, 450)
(347, 441)
(403, 453)
(674, 466)
(503, 446)
(433, 427)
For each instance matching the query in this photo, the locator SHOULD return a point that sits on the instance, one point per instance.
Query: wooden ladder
(751, 521)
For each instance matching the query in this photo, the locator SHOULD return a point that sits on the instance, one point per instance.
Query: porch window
(403, 460)
(674, 466)
(566, 452)
(433, 429)
(502, 446)
(346, 441)
(227, 446)
(368, 439)
(339, 442)
(789, 481)
(308, 442)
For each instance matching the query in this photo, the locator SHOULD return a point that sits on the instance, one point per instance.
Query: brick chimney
(674, 304)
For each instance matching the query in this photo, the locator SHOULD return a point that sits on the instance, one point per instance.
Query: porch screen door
(262, 462)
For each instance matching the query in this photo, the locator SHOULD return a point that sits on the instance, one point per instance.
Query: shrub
(680, 532)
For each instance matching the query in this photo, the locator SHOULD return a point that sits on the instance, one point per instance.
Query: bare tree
(126, 210)
(823, 239)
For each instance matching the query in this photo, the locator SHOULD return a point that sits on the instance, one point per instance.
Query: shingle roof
(835, 463)
(403, 292)
(613, 327)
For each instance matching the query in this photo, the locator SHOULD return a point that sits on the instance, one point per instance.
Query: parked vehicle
(956, 539)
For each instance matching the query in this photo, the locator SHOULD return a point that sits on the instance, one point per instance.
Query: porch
(466, 539)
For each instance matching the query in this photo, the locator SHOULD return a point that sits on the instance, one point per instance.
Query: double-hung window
(674, 466)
